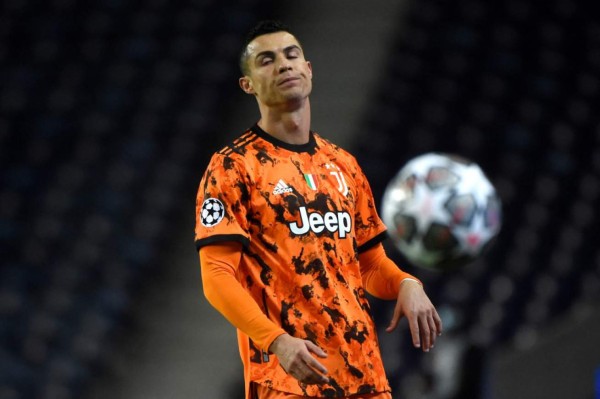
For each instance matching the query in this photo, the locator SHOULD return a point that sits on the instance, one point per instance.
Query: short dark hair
(262, 28)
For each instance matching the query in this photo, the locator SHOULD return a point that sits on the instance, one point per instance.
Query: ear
(309, 65)
(246, 85)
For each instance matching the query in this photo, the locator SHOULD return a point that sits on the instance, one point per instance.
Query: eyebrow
(271, 53)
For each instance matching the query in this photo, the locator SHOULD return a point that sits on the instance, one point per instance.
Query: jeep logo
(315, 222)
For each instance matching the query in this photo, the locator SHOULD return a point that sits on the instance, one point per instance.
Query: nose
(284, 66)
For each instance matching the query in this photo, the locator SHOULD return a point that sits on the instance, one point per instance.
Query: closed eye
(268, 57)
(265, 58)
(293, 52)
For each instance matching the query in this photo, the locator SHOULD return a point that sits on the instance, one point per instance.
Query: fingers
(308, 375)
(438, 322)
(304, 366)
(423, 320)
(415, 331)
(316, 349)
(309, 371)
(428, 327)
(433, 331)
(425, 333)
(395, 318)
(419, 330)
(311, 361)
(315, 371)
(424, 327)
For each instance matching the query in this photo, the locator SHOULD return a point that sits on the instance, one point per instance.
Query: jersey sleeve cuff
(271, 338)
(222, 238)
(372, 242)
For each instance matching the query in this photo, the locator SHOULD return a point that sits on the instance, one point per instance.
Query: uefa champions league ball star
(441, 211)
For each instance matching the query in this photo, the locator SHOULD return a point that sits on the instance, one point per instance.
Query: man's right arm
(218, 264)
(223, 291)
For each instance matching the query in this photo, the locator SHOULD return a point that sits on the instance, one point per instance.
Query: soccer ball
(441, 211)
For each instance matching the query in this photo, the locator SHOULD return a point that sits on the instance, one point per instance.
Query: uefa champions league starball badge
(212, 213)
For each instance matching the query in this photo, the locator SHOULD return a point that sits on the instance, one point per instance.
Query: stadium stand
(511, 86)
(104, 108)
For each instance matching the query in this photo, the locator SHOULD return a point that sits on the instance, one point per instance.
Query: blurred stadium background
(109, 111)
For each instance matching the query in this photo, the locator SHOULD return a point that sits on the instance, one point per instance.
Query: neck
(291, 126)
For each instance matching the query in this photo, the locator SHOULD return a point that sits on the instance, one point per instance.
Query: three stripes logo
(281, 188)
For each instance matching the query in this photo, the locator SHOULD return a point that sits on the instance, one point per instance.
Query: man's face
(277, 71)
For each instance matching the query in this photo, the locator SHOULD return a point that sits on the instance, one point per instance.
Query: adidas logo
(281, 188)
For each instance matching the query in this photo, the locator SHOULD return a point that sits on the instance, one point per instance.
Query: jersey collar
(308, 147)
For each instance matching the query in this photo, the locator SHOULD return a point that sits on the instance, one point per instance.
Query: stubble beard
(295, 98)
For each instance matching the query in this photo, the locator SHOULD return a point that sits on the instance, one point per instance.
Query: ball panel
(493, 213)
(462, 209)
(439, 177)
(439, 238)
(406, 227)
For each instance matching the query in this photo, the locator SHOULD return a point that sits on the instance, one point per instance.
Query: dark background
(109, 112)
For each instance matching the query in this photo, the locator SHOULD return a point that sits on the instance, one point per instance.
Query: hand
(424, 322)
(295, 356)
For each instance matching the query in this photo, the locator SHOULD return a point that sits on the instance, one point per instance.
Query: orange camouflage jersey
(303, 214)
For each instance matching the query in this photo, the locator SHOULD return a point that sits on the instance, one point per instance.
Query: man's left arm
(383, 279)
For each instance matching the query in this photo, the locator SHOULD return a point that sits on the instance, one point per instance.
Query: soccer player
(290, 242)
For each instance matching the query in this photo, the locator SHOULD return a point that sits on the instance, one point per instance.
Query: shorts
(262, 392)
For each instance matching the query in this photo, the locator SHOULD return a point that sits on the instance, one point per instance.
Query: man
(289, 241)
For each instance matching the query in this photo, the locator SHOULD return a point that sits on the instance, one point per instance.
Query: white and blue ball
(441, 211)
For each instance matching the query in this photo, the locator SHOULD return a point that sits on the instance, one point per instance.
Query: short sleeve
(369, 227)
(221, 203)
